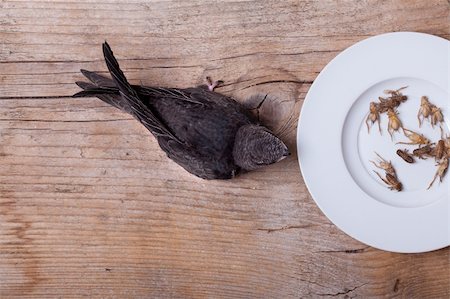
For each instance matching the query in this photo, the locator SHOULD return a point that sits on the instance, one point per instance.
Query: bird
(210, 135)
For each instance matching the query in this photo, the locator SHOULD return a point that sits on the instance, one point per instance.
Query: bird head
(255, 146)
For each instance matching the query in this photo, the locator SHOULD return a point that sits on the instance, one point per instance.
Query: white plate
(334, 147)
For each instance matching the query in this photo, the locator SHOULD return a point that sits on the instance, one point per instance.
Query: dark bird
(210, 135)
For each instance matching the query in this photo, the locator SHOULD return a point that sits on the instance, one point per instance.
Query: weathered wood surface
(91, 207)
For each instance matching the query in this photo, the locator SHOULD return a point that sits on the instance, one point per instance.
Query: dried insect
(394, 92)
(439, 150)
(374, 116)
(391, 181)
(385, 165)
(447, 145)
(424, 110)
(387, 105)
(436, 117)
(415, 138)
(442, 169)
(404, 154)
(394, 122)
(393, 101)
(424, 151)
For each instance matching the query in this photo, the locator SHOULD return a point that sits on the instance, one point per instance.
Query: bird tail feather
(129, 98)
(102, 88)
(120, 94)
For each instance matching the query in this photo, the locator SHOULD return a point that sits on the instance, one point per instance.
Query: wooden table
(91, 207)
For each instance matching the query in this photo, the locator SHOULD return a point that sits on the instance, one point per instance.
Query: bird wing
(203, 95)
(204, 166)
(170, 93)
(130, 96)
(195, 95)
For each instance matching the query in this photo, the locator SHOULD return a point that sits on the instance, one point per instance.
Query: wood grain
(91, 207)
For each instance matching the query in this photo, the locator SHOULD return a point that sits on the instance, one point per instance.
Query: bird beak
(286, 151)
(285, 154)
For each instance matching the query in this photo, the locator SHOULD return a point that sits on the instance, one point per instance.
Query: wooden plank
(89, 204)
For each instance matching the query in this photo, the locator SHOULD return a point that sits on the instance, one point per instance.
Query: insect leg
(385, 181)
(431, 184)
(391, 131)
(377, 166)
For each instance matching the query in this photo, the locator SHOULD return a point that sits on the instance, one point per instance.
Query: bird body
(196, 127)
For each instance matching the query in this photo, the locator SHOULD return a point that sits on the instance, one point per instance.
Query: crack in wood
(308, 52)
(48, 61)
(39, 129)
(275, 54)
(67, 121)
(85, 61)
(358, 250)
(280, 81)
(345, 292)
(397, 281)
(34, 97)
(271, 230)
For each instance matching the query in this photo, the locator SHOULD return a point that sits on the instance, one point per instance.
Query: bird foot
(212, 84)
